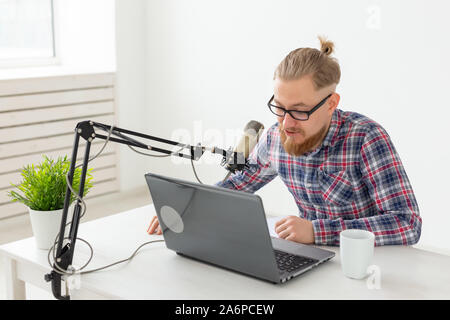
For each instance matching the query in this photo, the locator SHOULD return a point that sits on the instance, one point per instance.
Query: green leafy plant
(44, 185)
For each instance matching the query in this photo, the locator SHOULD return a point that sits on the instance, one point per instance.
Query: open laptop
(227, 228)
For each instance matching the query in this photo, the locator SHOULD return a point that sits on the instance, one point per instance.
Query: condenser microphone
(245, 146)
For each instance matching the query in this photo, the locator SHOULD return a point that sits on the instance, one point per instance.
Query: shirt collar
(333, 129)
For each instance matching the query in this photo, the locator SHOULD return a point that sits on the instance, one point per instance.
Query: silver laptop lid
(223, 227)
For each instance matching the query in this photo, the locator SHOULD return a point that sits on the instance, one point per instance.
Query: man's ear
(333, 102)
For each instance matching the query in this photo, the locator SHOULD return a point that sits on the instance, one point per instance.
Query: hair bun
(326, 46)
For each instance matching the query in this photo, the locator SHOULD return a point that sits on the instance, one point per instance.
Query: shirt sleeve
(260, 171)
(398, 221)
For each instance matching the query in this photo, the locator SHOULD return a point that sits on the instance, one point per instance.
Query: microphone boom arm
(85, 129)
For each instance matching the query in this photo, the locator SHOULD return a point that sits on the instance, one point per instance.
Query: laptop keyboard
(289, 262)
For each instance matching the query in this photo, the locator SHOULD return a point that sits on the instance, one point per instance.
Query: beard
(298, 149)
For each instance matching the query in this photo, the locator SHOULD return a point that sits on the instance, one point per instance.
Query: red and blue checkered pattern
(354, 180)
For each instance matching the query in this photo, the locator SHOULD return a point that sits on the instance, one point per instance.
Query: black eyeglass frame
(308, 113)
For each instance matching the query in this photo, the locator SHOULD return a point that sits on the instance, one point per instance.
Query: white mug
(356, 247)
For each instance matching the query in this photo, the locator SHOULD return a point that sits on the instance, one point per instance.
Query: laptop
(228, 229)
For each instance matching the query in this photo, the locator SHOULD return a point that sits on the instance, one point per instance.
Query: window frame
(38, 62)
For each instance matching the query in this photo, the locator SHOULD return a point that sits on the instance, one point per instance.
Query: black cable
(59, 269)
(195, 173)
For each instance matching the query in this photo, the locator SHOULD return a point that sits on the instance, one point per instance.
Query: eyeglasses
(297, 115)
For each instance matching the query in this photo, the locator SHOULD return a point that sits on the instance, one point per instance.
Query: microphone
(248, 141)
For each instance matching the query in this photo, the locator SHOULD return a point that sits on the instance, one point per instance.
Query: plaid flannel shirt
(353, 180)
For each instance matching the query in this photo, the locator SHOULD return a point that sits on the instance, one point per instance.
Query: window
(27, 34)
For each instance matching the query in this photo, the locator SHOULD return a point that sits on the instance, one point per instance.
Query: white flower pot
(46, 225)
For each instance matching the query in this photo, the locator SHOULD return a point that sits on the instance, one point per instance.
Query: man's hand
(295, 229)
(154, 226)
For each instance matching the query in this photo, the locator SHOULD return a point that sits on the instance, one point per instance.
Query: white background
(213, 61)
(204, 68)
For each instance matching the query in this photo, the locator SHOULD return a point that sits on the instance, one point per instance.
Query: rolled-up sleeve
(260, 170)
(398, 221)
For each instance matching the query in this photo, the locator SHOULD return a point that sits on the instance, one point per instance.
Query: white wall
(86, 38)
(213, 61)
(131, 85)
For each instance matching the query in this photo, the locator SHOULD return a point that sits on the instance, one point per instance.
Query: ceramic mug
(356, 248)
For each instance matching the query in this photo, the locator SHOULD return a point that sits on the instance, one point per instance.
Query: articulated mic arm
(86, 131)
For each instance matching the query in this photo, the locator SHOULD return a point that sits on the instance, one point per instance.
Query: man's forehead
(299, 92)
(295, 104)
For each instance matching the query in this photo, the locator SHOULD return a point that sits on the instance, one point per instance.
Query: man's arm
(259, 173)
(398, 221)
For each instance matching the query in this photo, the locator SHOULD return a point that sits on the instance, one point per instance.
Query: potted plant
(43, 191)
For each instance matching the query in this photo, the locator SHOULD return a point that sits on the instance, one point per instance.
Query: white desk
(159, 273)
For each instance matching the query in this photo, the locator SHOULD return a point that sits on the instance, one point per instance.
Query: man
(341, 167)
